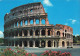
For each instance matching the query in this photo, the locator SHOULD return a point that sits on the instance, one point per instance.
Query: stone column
(28, 22)
(46, 44)
(40, 21)
(46, 31)
(40, 32)
(18, 23)
(33, 43)
(23, 22)
(34, 21)
(53, 44)
(33, 32)
(27, 43)
(18, 33)
(40, 43)
(22, 44)
(28, 32)
(14, 43)
(22, 33)
(18, 43)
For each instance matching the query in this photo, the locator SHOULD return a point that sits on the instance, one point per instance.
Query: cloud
(1, 34)
(66, 23)
(73, 21)
(77, 35)
(47, 2)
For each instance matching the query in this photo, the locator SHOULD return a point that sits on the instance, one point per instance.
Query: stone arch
(54, 44)
(17, 23)
(31, 21)
(37, 32)
(21, 23)
(63, 44)
(20, 32)
(58, 33)
(43, 43)
(31, 43)
(16, 43)
(25, 33)
(43, 21)
(37, 43)
(31, 32)
(67, 43)
(26, 22)
(49, 32)
(25, 43)
(20, 43)
(37, 21)
(49, 43)
(43, 32)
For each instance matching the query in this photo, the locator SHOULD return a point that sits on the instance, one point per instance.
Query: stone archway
(31, 43)
(43, 32)
(63, 44)
(49, 43)
(67, 43)
(36, 43)
(58, 33)
(20, 43)
(25, 43)
(31, 33)
(43, 43)
(37, 32)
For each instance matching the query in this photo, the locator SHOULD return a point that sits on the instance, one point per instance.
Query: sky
(64, 12)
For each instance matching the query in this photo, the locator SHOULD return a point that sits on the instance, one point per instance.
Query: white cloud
(47, 2)
(77, 35)
(66, 23)
(73, 21)
(1, 34)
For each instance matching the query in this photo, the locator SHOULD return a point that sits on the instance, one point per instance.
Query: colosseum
(23, 27)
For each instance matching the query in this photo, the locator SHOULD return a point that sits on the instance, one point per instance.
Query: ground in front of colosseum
(74, 51)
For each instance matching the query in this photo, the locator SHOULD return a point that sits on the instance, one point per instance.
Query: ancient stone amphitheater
(28, 26)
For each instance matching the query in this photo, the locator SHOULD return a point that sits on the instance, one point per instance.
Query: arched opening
(49, 43)
(25, 32)
(20, 43)
(20, 33)
(26, 22)
(37, 32)
(63, 44)
(37, 21)
(25, 43)
(16, 33)
(43, 43)
(43, 21)
(63, 34)
(31, 21)
(54, 44)
(37, 43)
(58, 33)
(49, 33)
(31, 33)
(31, 43)
(17, 23)
(43, 32)
(21, 23)
(16, 43)
(67, 43)
(57, 43)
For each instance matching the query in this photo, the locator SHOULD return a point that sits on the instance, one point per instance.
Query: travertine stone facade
(23, 27)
